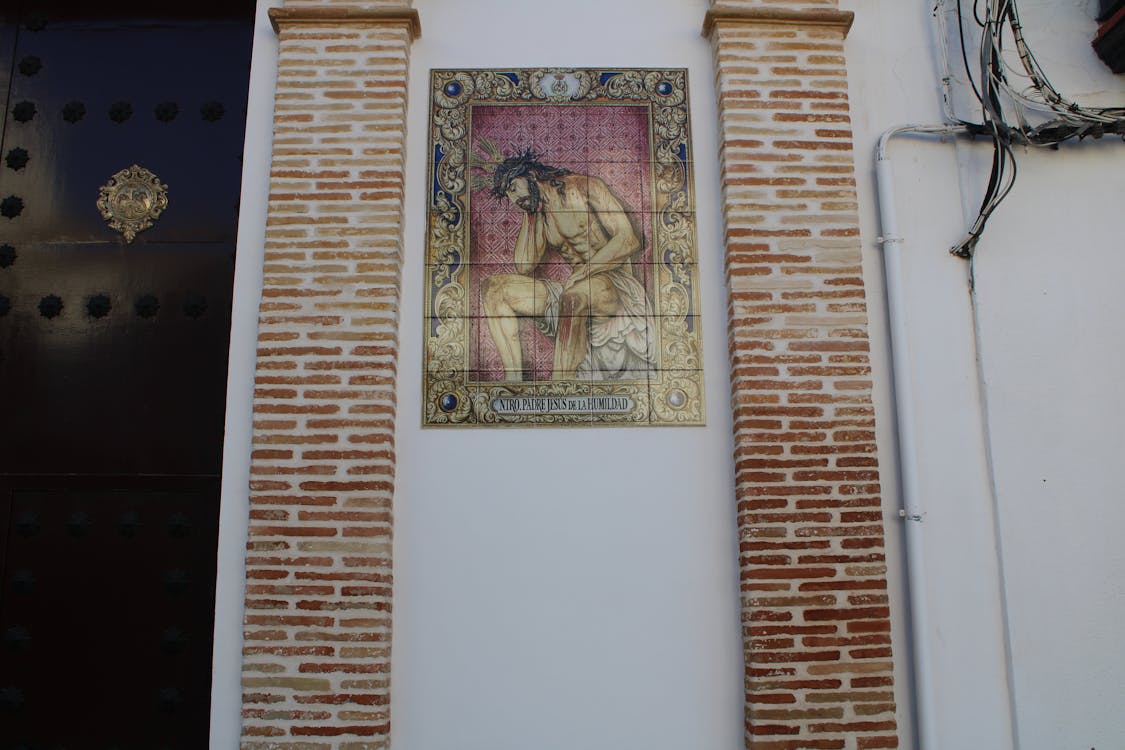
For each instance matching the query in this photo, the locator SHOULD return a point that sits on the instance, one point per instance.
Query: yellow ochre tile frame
(662, 321)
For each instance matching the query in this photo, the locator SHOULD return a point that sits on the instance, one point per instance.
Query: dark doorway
(113, 360)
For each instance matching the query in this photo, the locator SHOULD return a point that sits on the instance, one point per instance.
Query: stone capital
(321, 14)
(759, 16)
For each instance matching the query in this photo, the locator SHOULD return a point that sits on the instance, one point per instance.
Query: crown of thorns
(492, 170)
(484, 164)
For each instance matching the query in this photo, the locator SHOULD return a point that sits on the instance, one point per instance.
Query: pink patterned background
(606, 141)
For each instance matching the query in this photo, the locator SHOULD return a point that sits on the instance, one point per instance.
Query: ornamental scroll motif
(132, 200)
(561, 282)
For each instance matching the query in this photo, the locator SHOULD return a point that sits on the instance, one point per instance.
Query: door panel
(138, 390)
(8, 27)
(106, 614)
(113, 359)
(122, 346)
(110, 77)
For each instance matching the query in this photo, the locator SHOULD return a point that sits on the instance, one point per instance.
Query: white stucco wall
(555, 588)
(578, 588)
(575, 587)
(1046, 409)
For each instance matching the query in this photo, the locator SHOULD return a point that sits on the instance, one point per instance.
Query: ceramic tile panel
(561, 284)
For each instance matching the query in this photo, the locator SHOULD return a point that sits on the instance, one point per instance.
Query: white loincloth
(619, 346)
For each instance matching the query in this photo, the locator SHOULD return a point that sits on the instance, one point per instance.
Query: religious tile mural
(561, 283)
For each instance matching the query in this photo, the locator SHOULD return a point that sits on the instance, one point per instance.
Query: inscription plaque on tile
(561, 282)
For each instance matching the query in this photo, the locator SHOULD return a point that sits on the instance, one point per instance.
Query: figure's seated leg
(594, 296)
(507, 296)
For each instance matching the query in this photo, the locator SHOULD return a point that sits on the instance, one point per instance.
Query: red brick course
(316, 658)
(813, 572)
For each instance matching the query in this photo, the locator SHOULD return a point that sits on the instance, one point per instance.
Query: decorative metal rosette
(132, 201)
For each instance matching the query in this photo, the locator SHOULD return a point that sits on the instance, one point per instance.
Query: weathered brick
(798, 339)
(331, 284)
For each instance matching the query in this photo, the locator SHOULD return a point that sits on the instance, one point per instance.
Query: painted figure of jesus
(599, 316)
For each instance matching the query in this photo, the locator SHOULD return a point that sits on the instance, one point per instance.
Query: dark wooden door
(108, 598)
(113, 359)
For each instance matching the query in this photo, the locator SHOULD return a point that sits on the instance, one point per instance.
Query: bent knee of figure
(494, 292)
(604, 301)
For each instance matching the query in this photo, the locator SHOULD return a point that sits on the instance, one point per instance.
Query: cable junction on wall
(1031, 112)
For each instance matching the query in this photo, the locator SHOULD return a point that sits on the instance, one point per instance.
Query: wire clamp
(918, 517)
(881, 240)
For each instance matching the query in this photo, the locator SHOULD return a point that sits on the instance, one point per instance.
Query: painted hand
(581, 273)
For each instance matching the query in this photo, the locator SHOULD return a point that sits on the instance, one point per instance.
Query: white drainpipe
(911, 510)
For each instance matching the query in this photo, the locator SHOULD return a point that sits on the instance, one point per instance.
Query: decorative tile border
(611, 151)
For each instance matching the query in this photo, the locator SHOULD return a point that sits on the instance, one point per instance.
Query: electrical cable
(965, 53)
(1006, 111)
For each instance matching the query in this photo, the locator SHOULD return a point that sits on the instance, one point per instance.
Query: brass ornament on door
(132, 200)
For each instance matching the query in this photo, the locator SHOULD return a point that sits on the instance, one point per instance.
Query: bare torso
(571, 228)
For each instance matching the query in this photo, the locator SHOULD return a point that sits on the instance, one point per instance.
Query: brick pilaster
(813, 573)
(316, 664)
